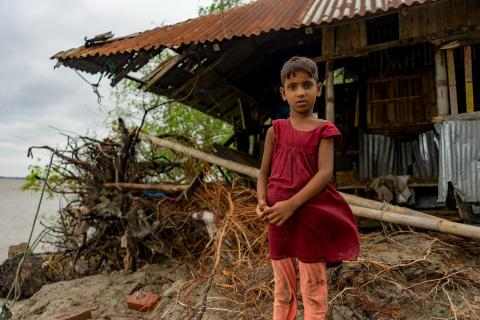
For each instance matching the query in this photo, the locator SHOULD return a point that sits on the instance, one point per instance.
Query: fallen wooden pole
(382, 206)
(175, 146)
(424, 222)
(168, 188)
(360, 206)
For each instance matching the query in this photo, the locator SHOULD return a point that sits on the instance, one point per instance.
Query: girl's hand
(279, 212)
(261, 206)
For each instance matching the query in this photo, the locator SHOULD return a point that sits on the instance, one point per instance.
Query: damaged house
(401, 80)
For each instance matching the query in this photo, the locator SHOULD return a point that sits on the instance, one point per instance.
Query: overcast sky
(35, 100)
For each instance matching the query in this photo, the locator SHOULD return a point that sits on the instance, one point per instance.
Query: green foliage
(37, 175)
(218, 6)
(169, 118)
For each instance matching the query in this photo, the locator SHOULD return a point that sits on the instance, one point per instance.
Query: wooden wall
(401, 101)
(424, 22)
(405, 95)
(443, 17)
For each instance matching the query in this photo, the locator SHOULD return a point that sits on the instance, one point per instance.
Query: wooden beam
(161, 70)
(242, 114)
(134, 79)
(134, 64)
(437, 39)
(469, 79)
(329, 93)
(452, 82)
(441, 82)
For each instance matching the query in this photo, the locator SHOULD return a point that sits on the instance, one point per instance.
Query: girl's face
(300, 91)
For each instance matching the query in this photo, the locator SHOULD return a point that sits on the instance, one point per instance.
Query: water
(17, 211)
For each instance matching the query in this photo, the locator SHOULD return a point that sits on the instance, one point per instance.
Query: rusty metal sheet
(327, 11)
(253, 19)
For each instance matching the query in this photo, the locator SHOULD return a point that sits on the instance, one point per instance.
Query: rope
(15, 289)
(93, 85)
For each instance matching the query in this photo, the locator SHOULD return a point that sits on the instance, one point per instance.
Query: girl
(308, 220)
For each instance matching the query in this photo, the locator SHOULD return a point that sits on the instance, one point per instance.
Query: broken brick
(142, 301)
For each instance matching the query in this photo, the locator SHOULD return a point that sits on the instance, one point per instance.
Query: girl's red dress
(323, 229)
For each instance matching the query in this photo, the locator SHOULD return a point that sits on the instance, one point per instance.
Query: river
(17, 211)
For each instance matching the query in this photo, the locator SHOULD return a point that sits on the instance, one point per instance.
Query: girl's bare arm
(265, 168)
(282, 210)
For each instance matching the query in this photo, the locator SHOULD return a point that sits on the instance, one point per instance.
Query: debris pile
(134, 206)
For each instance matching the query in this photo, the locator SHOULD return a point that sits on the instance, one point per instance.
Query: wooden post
(442, 84)
(329, 92)
(469, 79)
(452, 82)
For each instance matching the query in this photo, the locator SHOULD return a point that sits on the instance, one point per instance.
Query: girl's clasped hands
(276, 214)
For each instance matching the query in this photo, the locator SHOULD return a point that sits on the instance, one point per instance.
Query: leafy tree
(218, 6)
(169, 118)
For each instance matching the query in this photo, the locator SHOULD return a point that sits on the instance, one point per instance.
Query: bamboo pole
(452, 82)
(469, 79)
(424, 222)
(329, 92)
(360, 206)
(382, 206)
(232, 165)
(168, 188)
(441, 82)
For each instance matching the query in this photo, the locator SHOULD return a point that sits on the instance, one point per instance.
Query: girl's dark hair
(295, 64)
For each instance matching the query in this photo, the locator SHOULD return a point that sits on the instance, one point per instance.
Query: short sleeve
(275, 126)
(330, 131)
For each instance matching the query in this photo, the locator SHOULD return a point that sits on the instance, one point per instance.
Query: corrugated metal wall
(382, 155)
(460, 158)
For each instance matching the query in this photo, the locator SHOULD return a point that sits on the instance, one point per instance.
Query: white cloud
(34, 98)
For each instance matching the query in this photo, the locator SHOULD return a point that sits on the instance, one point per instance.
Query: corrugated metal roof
(327, 11)
(244, 21)
(253, 19)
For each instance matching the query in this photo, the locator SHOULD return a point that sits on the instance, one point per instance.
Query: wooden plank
(469, 79)
(362, 33)
(473, 10)
(452, 82)
(328, 41)
(134, 64)
(442, 83)
(161, 70)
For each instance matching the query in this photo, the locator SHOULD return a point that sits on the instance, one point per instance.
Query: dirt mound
(399, 275)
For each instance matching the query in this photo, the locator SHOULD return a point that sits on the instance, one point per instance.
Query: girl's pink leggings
(313, 286)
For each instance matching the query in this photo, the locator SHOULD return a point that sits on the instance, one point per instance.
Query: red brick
(75, 315)
(142, 301)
